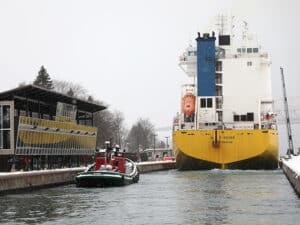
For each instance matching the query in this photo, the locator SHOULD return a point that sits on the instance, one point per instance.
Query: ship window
(249, 50)
(243, 50)
(192, 53)
(219, 66)
(255, 50)
(203, 103)
(249, 63)
(250, 116)
(209, 103)
(239, 50)
(236, 118)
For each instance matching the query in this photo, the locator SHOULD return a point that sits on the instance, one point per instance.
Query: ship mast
(288, 122)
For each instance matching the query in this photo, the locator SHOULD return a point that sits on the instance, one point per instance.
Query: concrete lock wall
(43, 178)
(293, 178)
(145, 167)
(34, 179)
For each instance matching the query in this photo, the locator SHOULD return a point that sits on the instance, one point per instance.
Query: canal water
(167, 197)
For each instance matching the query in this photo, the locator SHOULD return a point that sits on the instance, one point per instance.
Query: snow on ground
(293, 163)
(40, 171)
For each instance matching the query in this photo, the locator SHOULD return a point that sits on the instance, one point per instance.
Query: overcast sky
(126, 52)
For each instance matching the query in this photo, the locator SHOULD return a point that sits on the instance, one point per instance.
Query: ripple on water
(167, 197)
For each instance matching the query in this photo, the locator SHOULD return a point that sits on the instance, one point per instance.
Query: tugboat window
(255, 50)
(249, 50)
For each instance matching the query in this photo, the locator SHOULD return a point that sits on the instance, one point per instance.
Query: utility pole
(154, 135)
(167, 145)
(287, 117)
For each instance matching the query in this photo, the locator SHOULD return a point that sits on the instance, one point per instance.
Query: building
(41, 128)
(157, 154)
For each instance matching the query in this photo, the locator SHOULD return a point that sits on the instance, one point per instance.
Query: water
(167, 197)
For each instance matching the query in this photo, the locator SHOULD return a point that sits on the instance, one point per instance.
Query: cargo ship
(226, 119)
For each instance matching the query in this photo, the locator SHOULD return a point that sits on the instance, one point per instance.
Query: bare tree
(110, 127)
(22, 84)
(140, 135)
(119, 128)
(64, 87)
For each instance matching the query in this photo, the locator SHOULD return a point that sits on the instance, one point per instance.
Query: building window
(255, 50)
(203, 102)
(243, 50)
(5, 127)
(239, 50)
(249, 63)
(249, 50)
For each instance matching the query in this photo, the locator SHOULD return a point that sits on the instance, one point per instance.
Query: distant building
(157, 154)
(41, 128)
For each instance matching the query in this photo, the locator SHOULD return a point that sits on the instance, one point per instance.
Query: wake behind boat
(111, 168)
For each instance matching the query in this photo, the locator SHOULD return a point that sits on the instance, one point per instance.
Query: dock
(29, 180)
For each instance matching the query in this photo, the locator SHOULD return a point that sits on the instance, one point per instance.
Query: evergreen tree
(43, 79)
(70, 92)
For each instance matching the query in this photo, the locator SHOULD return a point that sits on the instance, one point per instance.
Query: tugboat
(111, 168)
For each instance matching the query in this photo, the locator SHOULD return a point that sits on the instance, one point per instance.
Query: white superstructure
(243, 95)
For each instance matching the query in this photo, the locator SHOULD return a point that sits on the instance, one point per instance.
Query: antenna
(288, 122)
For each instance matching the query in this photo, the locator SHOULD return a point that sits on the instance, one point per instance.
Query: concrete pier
(290, 168)
(15, 181)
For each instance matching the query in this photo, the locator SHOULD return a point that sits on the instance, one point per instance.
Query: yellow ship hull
(226, 149)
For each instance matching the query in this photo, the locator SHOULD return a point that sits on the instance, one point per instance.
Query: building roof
(47, 96)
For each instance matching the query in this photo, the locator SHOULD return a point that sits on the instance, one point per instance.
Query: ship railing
(247, 55)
